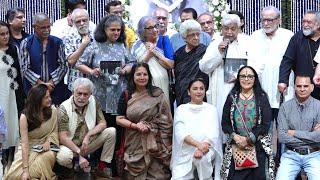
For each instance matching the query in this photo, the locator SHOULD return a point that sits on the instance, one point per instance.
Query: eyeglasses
(206, 22)
(155, 27)
(162, 18)
(248, 77)
(269, 20)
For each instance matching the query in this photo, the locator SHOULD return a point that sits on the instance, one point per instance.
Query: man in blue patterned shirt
(43, 60)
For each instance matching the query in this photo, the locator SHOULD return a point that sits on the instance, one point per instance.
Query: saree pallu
(40, 164)
(141, 149)
(159, 73)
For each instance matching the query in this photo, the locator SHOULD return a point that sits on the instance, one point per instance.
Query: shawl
(141, 148)
(90, 117)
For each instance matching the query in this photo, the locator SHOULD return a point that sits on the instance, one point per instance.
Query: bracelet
(130, 125)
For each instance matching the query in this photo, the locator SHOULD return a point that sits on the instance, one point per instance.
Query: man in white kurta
(212, 61)
(269, 46)
(201, 123)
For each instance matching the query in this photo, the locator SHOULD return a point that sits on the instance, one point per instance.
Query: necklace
(246, 98)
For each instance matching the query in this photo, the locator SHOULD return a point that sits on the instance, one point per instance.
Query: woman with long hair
(246, 120)
(145, 114)
(38, 127)
(12, 97)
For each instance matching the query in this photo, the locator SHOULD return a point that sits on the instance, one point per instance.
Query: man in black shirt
(300, 52)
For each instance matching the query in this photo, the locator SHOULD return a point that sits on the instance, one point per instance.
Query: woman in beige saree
(145, 114)
(38, 126)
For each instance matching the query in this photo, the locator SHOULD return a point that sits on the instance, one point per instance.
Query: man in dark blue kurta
(43, 60)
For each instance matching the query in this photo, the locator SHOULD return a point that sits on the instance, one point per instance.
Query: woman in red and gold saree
(145, 114)
(38, 126)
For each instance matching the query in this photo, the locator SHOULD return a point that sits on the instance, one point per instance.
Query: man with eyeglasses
(61, 27)
(17, 22)
(116, 8)
(301, 51)
(162, 16)
(269, 45)
(207, 23)
(76, 42)
(43, 60)
(178, 41)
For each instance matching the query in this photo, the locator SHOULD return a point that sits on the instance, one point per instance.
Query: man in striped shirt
(43, 60)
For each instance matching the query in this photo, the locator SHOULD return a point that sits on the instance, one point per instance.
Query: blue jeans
(291, 163)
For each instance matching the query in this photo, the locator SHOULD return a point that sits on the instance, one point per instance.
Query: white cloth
(8, 103)
(170, 32)
(159, 73)
(90, 117)
(317, 56)
(212, 64)
(60, 28)
(268, 54)
(202, 124)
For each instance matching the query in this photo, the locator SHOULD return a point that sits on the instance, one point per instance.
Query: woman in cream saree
(27, 163)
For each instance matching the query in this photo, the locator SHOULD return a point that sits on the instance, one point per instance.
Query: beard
(308, 31)
(83, 29)
(270, 29)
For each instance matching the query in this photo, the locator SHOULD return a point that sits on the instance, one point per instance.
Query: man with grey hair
(186, 60)
(76, 42)
(301, 51)
(207, 23)
(269, 45)
(83, 130)
(162, 16)
(43, 60)
(224, 47)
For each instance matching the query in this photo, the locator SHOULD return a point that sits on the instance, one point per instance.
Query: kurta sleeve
(63, 119)
(211, 59)
(30, 75)
(287, 62)
(59, 73)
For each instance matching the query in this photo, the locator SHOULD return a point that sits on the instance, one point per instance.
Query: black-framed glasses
(248, 77)
(155, 27)
(269, 20)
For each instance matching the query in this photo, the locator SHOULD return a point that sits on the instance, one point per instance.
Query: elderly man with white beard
(301, 51)
(76, 41)
(269, 45)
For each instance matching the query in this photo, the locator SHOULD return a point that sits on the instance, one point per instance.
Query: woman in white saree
(145, 50)
(196, 137)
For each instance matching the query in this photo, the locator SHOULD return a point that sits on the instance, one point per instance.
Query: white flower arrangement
(218, 8)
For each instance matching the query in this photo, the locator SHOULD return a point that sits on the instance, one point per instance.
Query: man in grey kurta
(299, 131)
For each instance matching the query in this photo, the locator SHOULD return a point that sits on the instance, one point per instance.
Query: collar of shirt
(303, 104)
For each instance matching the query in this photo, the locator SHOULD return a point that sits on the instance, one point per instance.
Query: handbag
(120, 163)
(244, 158)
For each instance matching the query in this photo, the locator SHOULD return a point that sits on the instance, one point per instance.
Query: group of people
(171, 106)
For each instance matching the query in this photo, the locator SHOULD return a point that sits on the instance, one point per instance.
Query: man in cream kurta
(82, 129)
(212, 61)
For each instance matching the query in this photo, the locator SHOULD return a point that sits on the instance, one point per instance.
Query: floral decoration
(218, 8)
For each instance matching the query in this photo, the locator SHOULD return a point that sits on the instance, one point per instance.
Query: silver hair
(272, 8)
(188, 25)
(39, 17)
(83, 82)
(160, 9)
(206, 13)
(77, 12)
(142, 24)
(228, 19)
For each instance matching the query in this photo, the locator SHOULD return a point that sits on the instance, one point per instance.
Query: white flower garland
(218, 8)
